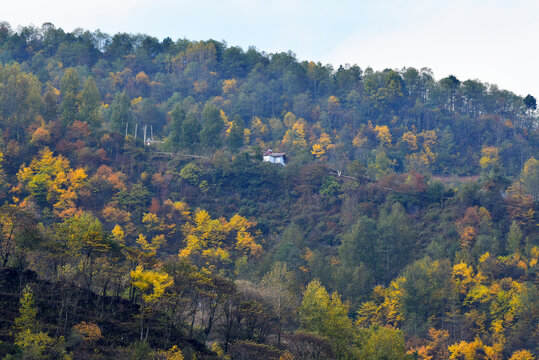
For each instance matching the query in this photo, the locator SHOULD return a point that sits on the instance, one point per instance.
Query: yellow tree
(522, 355)
(386, 309)
(294, 138)
(230, 86)
(383, 134)
(320, 149)
(32, 342)
(152, 285)
(489, 157)
(49, 180)
(217, 243)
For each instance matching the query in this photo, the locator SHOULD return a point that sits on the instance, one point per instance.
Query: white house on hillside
(275, 158)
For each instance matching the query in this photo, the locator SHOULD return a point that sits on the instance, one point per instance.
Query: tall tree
(90, 102)
(120, 113)
(212, 126)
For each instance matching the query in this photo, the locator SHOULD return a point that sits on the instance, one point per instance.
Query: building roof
(271, 153)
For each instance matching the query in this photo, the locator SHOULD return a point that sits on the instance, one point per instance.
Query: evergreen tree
(120, 113)
(212, 126)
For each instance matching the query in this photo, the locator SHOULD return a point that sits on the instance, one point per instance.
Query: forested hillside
(404, 224)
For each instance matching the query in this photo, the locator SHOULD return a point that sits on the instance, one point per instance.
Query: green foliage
(191, 174)
(212, 126)
(418, 166)
(120, 113)
(330, 186)
(384, 343)
(327, 315)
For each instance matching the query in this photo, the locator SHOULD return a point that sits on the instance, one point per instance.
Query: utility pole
(144, 129)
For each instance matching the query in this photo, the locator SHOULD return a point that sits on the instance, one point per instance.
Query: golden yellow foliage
(359, 140)
(142, 78)
(118, 234)
(88, 331)
(318, 151)
(152, 284)
(289, 119)
(467, 350)
(218, 241)
(411, 139)
(489, 157)
(388, 309)
(136, 100)
(230, 86)
(383, 134)
(50, 178)
(522, 355)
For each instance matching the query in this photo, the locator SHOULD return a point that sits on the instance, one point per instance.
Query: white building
(275, 158)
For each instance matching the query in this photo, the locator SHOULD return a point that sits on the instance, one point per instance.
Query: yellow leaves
(318, 151)
(193, 244)
(118, 234)
(173, 353)
(462, 276)
(258, 128)
(466, 351)
(247, 136)
(150, 219)
(218, 240)
(429, 138)
(467, 235)
(88, 331)
(136, 100)
(387, 309)
(218, 253)
(411, 139)
(359, 140)
(534, 256)
(230, 86)
(490, 157)
(422, 143)
(142, 78)
(238, 222)
(522, 355)
(77, 177)
(324, 144)
(201, 217)
(295, 136)
(50, 178)
(484, 257)
(245, 243)
(299, 129)
(152, 284)
(289, 119)
(150, 247)
(180, 206)
(286, 356)
(383, 134)
(228, 124)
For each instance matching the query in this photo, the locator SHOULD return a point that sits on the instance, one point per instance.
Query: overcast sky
(490, 40)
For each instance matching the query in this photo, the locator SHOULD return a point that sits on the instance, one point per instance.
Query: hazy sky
(494, 41)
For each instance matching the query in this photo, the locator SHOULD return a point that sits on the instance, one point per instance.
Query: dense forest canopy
(138, 219)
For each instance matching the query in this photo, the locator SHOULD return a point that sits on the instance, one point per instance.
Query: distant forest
(404, 224)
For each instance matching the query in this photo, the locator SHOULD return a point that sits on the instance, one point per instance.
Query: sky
(490, 40)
